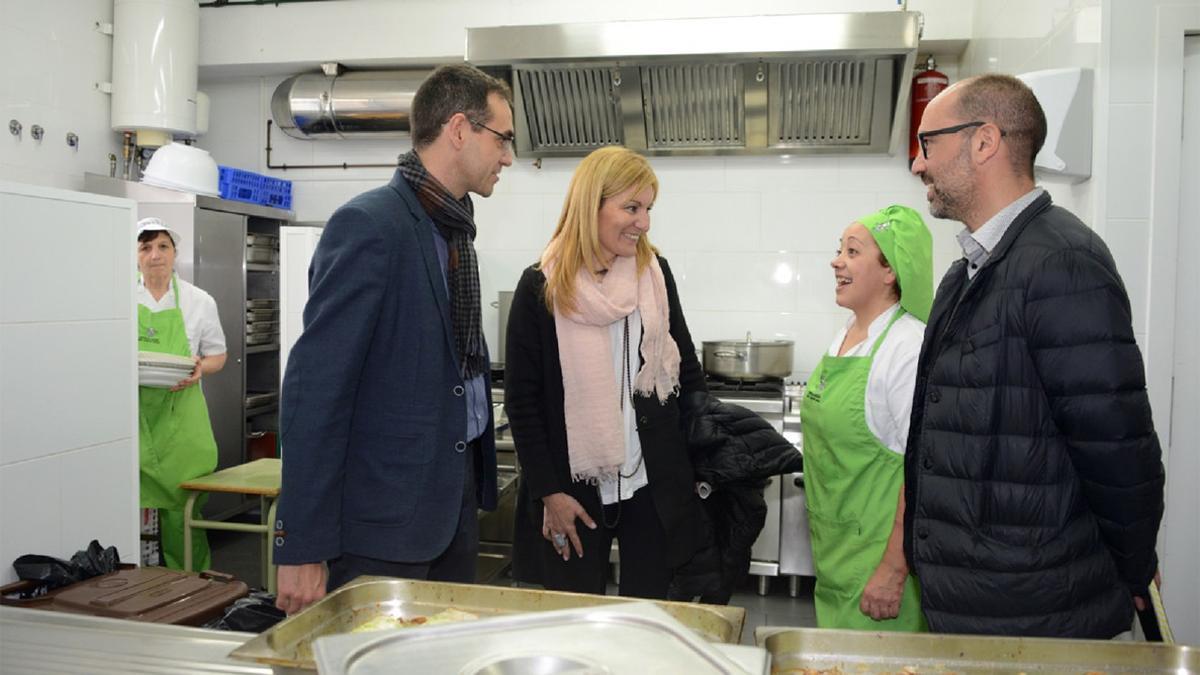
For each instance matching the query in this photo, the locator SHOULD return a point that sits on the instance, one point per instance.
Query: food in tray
(862, 670)
(388, 622)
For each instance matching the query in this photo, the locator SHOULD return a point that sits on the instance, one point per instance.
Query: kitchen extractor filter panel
(569, 109)
(694, 105)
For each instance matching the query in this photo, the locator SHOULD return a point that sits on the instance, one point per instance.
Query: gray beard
(945, 207)
(952, 204)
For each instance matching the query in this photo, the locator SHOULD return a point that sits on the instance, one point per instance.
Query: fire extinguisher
(925, 85)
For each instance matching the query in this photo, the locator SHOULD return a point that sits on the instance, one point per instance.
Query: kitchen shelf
(258, 349)
(261, 410)
(262, 267)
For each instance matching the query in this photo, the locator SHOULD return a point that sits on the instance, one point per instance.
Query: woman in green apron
(175, 437)
(855, 421)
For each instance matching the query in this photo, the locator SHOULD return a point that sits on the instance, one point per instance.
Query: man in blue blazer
(386, 424)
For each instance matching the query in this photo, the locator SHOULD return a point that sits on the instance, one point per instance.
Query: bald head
(1010, 104)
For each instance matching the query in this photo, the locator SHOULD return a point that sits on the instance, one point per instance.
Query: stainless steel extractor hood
(792, 84)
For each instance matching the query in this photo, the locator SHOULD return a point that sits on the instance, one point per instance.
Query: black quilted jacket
(1033, 474)
(735, 451)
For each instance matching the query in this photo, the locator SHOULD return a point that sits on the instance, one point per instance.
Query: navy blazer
(373, 414)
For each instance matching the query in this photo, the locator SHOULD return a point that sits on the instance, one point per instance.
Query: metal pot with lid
(748, 360)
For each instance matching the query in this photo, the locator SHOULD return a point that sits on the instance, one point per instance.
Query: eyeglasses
(923, 137)
(506, 140)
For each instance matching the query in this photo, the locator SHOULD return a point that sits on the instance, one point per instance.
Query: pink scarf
(592, 401)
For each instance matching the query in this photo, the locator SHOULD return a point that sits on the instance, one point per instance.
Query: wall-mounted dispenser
(1066, 98)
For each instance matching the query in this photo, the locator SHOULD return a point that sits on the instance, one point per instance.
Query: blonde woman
(598, 357)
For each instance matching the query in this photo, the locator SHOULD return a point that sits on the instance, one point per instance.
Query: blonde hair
(575, 244)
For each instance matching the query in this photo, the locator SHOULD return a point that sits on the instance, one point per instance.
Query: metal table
(39, 641)
(260, 477)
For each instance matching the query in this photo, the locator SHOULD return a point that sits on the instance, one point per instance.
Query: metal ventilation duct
(373, 104)
(809, 83)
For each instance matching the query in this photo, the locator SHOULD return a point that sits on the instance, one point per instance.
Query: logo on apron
(815, 394)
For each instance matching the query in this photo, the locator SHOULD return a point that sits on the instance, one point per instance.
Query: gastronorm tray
(577, 640)
(815, 650)
(253, 339)
(260, 239)
(288, 645)
(258, 254)
(255, 399)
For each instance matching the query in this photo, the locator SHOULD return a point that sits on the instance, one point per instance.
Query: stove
(765, 397)
(771, 387)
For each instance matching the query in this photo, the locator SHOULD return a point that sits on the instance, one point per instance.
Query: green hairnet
(906, 243)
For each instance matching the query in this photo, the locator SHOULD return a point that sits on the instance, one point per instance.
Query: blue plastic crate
(247, 186)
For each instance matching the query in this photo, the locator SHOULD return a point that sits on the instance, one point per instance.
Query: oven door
(764, 553)
(795, 545)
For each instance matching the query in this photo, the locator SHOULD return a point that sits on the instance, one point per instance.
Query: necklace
(626, 386)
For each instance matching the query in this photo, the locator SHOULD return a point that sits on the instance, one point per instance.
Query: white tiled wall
(68, 420)
(53, 57)
(749, 238)
(767, 211)
(1117, 39)
(1027, 35)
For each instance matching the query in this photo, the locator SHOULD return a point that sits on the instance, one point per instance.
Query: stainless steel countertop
(40, 641)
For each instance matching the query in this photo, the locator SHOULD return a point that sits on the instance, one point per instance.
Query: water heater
(156, 47)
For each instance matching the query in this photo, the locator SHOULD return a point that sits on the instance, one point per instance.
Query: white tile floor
(776, 608)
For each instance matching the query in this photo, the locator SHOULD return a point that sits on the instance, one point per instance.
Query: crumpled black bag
(254, 613)
(51, 573)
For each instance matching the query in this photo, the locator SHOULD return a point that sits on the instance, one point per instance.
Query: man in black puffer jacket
(1034, 478)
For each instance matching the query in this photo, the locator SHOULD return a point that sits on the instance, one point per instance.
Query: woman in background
(598, 358)
(175, 437)
(855, 417)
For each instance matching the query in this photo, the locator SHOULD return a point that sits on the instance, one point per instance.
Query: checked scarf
(455, 220)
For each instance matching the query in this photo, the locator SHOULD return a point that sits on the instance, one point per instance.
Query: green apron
(852, 483)
(175, 437)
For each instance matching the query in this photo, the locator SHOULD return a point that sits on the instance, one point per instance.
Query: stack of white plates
(162, 370)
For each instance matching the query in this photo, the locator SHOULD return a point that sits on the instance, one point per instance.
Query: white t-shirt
(893, 375)
(633, 467)
(200, 321)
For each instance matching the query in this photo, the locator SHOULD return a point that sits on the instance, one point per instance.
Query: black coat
(735, 451)
(533, 400)
(1033, 474)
